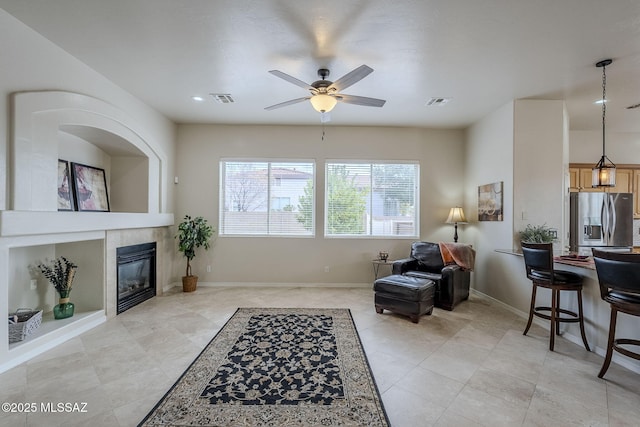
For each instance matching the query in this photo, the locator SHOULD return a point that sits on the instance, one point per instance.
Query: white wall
(31, 62)
(539, 165)
(586, 147)
(522, 144)
(302, 260)
(489, 158)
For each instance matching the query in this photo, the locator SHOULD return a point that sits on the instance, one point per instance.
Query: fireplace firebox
(136, 274)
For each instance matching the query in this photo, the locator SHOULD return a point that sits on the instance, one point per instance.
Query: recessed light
(197, 98)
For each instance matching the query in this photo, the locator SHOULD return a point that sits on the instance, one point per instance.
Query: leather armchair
(425, 261)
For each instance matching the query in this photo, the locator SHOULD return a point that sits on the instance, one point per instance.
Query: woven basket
(28, 322)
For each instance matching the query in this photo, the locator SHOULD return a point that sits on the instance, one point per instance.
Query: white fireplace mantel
(28, 223)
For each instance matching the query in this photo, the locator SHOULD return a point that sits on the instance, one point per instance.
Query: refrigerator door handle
(604, 218)
(614, 218)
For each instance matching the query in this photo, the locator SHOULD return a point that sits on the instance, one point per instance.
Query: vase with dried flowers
(60, 273)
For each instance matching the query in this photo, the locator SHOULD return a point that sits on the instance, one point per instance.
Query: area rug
(277, 367)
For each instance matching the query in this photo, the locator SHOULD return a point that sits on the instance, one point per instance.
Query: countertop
(566, 259)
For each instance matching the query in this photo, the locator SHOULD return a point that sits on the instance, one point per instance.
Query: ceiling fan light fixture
(323, 103)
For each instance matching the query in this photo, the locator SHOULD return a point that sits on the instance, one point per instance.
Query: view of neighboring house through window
(371, 199)
(266, 198)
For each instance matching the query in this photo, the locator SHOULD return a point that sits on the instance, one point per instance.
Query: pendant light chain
(604, 105)
(603, 173)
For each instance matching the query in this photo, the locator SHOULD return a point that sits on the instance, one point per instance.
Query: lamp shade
(603, 174)
(456, 215)
(323, 103)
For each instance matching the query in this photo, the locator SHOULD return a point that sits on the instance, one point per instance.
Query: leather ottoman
(410, 296)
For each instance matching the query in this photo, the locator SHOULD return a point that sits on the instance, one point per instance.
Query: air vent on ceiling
(223, 98)
(632, 107)
(437, 102)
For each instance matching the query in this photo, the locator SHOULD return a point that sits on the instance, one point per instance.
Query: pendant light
(603, 173)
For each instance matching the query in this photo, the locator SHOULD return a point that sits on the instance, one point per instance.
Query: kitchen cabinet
(574, 179)
(624, 181)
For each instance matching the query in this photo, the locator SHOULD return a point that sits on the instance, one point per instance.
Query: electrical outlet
(33, 284)
(326, 269)
(208, 269)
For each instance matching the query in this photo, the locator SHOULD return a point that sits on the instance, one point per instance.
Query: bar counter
(596, 311)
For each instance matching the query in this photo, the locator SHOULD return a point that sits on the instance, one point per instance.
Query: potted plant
(192, 234)
(537, 234)
(60, 273)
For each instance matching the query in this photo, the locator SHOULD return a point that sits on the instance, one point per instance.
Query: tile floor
(469, 367)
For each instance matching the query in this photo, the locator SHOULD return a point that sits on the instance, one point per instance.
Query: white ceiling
(481, 54)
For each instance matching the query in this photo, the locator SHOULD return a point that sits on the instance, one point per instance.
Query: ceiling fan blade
(291, 79)
(360, 100)
(284, 104)
(350, 78)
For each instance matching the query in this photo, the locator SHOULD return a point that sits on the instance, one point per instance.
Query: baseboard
(271, 285)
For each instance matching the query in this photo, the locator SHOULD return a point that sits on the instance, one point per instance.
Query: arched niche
(89, 131)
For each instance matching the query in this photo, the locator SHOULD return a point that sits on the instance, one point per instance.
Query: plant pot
(189, 283)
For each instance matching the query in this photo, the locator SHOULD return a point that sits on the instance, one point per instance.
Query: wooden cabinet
(574, 179)
(624, 181)
(585, 181)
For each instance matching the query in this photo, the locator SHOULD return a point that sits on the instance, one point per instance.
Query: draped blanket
(458, 253)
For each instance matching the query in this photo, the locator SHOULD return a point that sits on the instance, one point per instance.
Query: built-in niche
(126, 167)
(59, 125)
(28, 288)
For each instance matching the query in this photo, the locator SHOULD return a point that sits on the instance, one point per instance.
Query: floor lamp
(456, 216)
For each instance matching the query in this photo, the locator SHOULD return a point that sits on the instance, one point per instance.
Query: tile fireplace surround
(47, 126)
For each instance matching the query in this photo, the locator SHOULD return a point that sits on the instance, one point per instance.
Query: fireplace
(136, 274)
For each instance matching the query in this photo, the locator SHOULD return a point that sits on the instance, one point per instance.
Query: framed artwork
(490, 202)
(90, 188)
(65, 196)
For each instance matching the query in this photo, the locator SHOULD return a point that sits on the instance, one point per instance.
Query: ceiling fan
(325, 93)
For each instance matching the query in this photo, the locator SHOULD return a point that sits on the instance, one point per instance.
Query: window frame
(371, 164)
(222, 193)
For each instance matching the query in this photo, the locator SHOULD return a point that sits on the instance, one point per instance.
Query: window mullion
(269, 198)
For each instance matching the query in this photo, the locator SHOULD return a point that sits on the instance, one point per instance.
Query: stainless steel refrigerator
(601, 220)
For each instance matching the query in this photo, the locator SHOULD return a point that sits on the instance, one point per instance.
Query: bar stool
(538, 259)
(619, 279)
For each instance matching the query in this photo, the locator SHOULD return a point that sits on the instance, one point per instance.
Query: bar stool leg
(584, 336)
(557, 291)
(531, 309)
(612, 334)
(554, 324)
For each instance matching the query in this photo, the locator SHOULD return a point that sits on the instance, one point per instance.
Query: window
(372, 199)
(267, 198)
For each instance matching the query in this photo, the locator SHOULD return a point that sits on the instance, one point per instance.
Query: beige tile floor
(469, 367)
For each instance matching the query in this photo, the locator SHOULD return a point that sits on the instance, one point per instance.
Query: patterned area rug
(277, 367)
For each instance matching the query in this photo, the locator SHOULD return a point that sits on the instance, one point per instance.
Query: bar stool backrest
(617, 271)
(538, 257)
